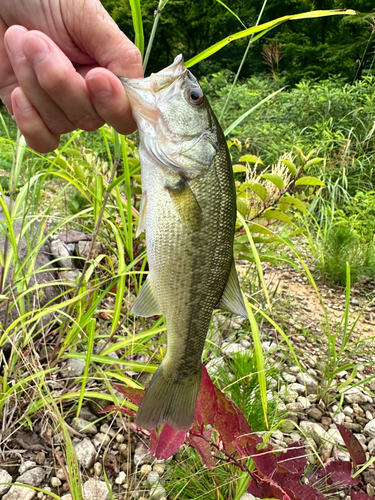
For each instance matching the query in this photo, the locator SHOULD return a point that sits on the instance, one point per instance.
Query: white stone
(248, 496)
(341, 455)
(314, 430)
(339, 418)
(369, 415)
(121, 478)
(348, 410)
(334, 436)
(82, 425)
(29, 464)
(230, 348)
(288, 377)
(5, 477)
(142, 455)
(153, 478)
(33, 476)
(298, 388)
(157, 492)
(86, 453)
(60, 474)
(371, 445)
(93, 489)
(370, 428)
(304, 402)
(354, 395)
(294, 406)
(306, 379)
(19, 493)
(55, 482)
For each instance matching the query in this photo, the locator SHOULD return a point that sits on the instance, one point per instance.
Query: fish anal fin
(232, 299)
(142, 215)
(146, 304)
(186, 204)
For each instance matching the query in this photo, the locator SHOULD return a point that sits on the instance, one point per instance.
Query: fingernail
(22, 103)
(99, 86)
(13, 41)
(35, 48)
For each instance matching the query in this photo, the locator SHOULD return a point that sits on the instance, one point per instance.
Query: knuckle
(88, 122)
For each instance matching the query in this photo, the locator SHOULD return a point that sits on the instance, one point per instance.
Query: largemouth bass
(188, 211)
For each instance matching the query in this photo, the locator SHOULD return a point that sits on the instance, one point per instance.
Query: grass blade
(135, 6)
(262, 29)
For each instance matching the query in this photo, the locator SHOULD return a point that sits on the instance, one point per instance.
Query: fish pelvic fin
(169, 398)
(232, 299)
(146, 304)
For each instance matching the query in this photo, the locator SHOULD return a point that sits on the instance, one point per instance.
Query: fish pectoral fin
(146, 304)
(232, 299)
(186, 204)
(142, 215)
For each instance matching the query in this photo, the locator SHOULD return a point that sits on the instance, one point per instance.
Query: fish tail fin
(169, 398)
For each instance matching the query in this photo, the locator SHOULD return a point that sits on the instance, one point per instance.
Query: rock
(68, 496)
(61, 253)
(370, 428)
(121, 478)
(158, 492)
(123, 449)
(145, 469)
(371, 445)
(314, 430)
(5, 477)
(73, 368)
(354, 395)
(159, 468)
(33, 477)
(142, 455)
(102, 439)
(40, 458)
(247, 496)
(304, 402)
(60, 474)
(98, 468)
(315, 413)
(370, 490)
(82, 425)
(353, 426)
(29, 464)
(37, 297)
(335, 437)
(73, 236)
(153, 478)
(289, 378)
(307, 379)
(55, 482)
(86, 414)
(294, 406)
(326, 421)
(86, 453)
(229, 349)
(326, 451)
(287, 426)
(339, 418)
(341, 455)
(298, 388)
(19, 493)
(93, 489)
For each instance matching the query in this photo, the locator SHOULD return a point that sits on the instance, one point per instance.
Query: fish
(188, 213)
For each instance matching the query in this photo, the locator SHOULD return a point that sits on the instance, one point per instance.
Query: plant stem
(151, 41)
(242, 63)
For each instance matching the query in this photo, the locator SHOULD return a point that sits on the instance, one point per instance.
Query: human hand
(58, 62)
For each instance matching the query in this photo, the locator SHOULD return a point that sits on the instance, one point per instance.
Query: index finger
(8, 80)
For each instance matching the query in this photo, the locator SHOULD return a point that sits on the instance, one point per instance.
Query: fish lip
(157, 81)
(143, 92)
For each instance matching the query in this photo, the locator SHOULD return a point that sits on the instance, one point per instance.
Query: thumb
(95, 32)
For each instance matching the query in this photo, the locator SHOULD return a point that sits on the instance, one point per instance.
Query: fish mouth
(143, 92)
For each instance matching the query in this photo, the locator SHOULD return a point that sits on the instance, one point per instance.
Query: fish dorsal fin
(142, 215)
(231, 299)
(186, 204)
(146, 304)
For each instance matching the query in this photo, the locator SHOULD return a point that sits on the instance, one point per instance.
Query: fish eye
(195, 96)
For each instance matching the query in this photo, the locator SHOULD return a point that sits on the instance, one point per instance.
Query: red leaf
(263, 458)
(230, 422)
(202, 447)
(293, 460)
(298, 491)
(134, 395)
(341, 472)
(268, 488)
(354, 447)
(118, 408)
(165, 443)
(206, 409)
(359, 495)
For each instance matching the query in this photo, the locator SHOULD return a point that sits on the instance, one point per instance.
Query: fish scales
(189, 208)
